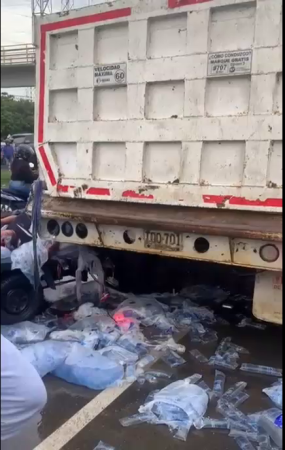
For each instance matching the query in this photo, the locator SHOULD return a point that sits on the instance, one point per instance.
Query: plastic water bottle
(272, 424)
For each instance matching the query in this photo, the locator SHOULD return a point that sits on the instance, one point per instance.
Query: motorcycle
(11, 202)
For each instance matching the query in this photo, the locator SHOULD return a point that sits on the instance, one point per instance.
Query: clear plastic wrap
(198, 356)
(219, 383)
(263, 370)
(119, 354)
(173, 359)
(46, 356)
(25, 332)
(275, 394)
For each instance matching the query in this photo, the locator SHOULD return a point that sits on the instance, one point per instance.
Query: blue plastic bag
(86, 367)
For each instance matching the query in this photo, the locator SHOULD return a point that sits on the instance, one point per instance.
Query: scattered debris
(99, 348)
(25, 332)
(219, 383)
(263, 370)
(199, 356)
(275, 393)
(103, 446)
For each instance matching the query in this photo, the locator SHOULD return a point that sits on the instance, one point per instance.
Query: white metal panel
(170, 135)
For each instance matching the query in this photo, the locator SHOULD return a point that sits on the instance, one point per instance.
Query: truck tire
(19, 301)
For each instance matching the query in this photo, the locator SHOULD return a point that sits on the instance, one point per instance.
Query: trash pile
(183, 404)
(100, 348)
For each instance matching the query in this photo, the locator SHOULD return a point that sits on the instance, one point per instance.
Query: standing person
(8, 151)
(23, 394)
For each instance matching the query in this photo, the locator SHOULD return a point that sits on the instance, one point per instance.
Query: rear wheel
(19, 301)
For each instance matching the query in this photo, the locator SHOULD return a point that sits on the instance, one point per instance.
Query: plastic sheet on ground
(147, 310)
(102, 322)
(46, 356)
(86, 367)
(88, 310)
(170, 344)
(88, 338)
(25, 332)
(119, 354)
(23, 257)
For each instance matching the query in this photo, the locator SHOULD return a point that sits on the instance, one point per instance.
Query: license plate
(163, 240)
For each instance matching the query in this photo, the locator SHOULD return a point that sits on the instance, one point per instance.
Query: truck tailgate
(172, 102)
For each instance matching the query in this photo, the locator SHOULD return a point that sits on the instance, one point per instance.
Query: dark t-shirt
(21, 171)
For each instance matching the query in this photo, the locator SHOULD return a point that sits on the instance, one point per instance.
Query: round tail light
(269, 253)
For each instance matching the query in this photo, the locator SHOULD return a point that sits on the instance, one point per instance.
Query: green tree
(17, 116)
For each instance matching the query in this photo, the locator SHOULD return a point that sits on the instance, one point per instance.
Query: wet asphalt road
(64, 400)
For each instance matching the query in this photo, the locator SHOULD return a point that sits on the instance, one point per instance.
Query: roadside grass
(5, 177)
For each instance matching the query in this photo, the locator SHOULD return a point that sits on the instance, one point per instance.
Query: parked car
(24, 138)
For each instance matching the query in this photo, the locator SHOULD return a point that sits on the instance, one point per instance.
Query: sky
(16, 24)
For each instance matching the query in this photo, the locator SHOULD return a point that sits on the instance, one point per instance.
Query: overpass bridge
(18, 66)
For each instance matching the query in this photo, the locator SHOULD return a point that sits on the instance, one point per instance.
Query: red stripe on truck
(98, 191)
(47, 165)
(242, 201)
(108, 15)
(133, 194)
(178, 3)
(85, 20)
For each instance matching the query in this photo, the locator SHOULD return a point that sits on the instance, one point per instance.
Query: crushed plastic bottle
(130, 373)
(170, 344)
(243, 443)
(103, 446)
(235, 415)
(173, 359)
(146, 361)
(157, 374)
(250, 435)
(25, 332)
(199, 356)
(234, 390)
(193, 379)
(219, 383)
(263, 370)
(209, 336)
(137, 419)
(245, 322)
(208, 422)
(86, 367)
(239, 398)
(222, 363)
(238, 349)
(206, 388)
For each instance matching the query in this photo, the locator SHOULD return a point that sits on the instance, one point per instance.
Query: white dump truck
(159, 131)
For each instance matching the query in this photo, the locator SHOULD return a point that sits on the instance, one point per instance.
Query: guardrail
(18, 55)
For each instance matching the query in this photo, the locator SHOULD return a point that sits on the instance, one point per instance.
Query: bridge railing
(18, 55)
